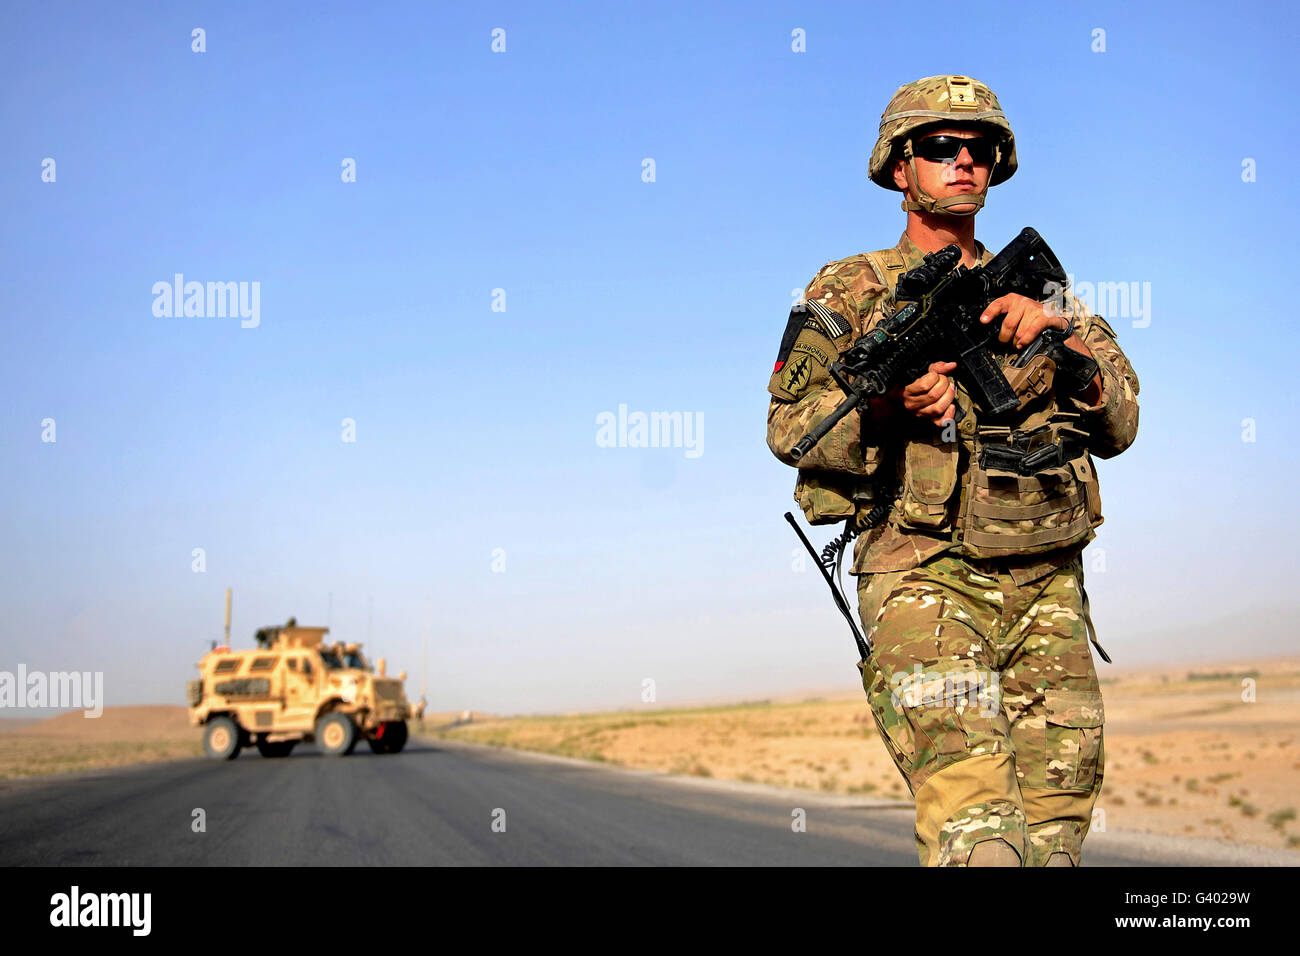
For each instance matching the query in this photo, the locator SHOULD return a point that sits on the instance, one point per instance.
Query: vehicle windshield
(337, 661)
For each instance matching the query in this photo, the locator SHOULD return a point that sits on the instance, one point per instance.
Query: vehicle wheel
(221, 739)
(395, 736)
(280, 749)
(377, 746)
(336, 734)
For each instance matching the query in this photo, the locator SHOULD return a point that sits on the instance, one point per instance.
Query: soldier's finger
(1031, 326)
(995, 308)
(919, 400)
(940, 388)
(921, 386)
(936, 411)
(941, 405)
(1011, 322)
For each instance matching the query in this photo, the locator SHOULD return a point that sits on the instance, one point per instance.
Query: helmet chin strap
(942, 207)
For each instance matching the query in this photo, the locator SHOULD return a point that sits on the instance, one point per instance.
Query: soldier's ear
(900, 174)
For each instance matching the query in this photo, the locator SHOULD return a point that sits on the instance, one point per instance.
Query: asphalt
(440, 803)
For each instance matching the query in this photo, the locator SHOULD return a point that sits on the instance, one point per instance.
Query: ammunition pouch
(1029, 452)
(929, 479)
(1029, 491)
(826, 497)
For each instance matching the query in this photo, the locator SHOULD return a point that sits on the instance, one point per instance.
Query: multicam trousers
(986, 696)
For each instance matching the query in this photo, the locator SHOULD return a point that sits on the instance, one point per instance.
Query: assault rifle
(940, 322)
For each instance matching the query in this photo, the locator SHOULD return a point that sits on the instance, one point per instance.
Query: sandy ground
(1185, 752)
(119, 736)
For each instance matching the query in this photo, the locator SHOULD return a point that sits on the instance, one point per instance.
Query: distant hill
(10, 724)
(148, 722)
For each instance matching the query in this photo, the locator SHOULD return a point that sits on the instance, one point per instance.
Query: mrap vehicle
(296, 687)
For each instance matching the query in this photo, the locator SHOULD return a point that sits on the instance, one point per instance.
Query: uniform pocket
(929, 478)
(1073, 747)
(825, 497)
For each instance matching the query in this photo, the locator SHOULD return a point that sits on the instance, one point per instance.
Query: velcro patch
(835, 324)
(812, 350)
(798, 373)
(798, 322)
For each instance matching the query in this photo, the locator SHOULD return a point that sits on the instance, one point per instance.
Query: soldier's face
(940, 178)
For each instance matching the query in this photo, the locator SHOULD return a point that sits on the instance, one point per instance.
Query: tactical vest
(1027, 486)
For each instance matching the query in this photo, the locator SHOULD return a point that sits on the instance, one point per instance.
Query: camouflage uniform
(981, 680)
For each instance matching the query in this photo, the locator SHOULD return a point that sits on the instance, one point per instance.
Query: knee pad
(997, 852)
(1058, 821)
(966, 805)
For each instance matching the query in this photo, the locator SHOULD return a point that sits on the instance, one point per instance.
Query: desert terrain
(119, 736)
(1206, 751)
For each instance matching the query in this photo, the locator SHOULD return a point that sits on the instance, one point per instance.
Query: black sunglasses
(945, 149)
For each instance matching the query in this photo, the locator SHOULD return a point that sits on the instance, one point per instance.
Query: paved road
(434, 805)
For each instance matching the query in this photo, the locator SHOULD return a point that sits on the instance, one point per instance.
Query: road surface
(445, 803)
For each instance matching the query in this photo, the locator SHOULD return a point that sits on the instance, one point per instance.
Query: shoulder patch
(806, 351)
(800, 321)
(835, 324)
(797, 373)
(793, 327)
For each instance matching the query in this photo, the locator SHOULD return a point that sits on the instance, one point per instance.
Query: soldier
(981, 679)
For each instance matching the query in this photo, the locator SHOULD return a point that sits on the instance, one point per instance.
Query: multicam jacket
(941, 497)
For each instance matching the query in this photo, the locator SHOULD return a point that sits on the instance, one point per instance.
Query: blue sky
(475, 429)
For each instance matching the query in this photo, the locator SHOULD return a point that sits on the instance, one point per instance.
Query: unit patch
(797, 374)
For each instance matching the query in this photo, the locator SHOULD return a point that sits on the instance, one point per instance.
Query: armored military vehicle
(293, 687)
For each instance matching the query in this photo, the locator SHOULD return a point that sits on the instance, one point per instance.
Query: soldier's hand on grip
(1025, 318)
(931, 396)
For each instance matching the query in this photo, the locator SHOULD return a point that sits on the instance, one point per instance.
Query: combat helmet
(940, 100)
